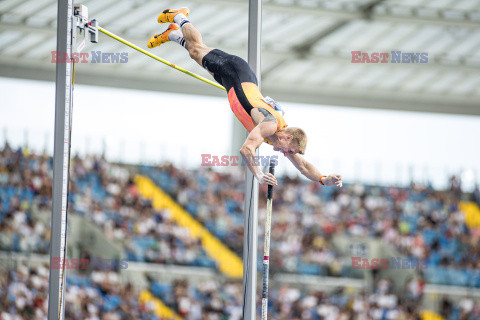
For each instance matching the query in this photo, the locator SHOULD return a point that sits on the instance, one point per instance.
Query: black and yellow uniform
(237, 77)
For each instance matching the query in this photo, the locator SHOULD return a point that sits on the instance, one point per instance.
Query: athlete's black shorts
(230, 71)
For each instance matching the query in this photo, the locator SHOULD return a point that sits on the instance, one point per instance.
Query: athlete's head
(290, 141)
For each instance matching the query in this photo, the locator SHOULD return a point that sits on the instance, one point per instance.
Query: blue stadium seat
(311, 269)
(160, 289)
(111, 302)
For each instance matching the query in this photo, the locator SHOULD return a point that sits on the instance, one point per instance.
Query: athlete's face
(285, 146)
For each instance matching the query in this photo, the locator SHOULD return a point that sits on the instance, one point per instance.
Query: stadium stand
(101, 295)
(107, 196)
(23, 177)
(104, 194)
(215, 300)
(418, 221)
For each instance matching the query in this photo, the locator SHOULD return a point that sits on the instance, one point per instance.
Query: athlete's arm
(309, 171)
(254, 140)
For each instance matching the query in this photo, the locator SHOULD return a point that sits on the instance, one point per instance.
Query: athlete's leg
(194, 43)
(227, 69)
(189, 36)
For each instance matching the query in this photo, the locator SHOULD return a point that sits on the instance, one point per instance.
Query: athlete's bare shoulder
(260, 115)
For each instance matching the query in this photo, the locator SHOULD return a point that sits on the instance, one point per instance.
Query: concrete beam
(324, 95)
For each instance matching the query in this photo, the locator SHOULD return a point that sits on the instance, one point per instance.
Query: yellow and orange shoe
(160, 38)
(167, 15)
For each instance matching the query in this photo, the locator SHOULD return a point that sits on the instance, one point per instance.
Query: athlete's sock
(181, 19)
(177, 36)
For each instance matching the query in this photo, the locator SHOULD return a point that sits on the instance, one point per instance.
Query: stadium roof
(306, 49)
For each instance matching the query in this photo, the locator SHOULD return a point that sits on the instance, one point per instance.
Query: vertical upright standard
(251, 189)
(61, 161)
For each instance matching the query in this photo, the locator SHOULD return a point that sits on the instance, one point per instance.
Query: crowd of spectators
(214, 300)
(106, 195)
(418, 221)
(24, 177)
(100, 191)
(24, 293)
(101, 295)
(298, 243)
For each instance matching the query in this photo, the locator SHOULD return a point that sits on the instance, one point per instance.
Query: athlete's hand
(333, 180)
(267, 178)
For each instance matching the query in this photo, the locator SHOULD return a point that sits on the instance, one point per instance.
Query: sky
(134, 126)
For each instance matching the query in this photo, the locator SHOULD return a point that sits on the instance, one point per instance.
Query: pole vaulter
(261, 116)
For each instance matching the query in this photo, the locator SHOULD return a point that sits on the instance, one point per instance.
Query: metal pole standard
(266, 247)
(61, 161)
(251, 189)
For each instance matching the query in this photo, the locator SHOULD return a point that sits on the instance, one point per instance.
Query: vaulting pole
(266, 247)
(251, 189)
(151, 55)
